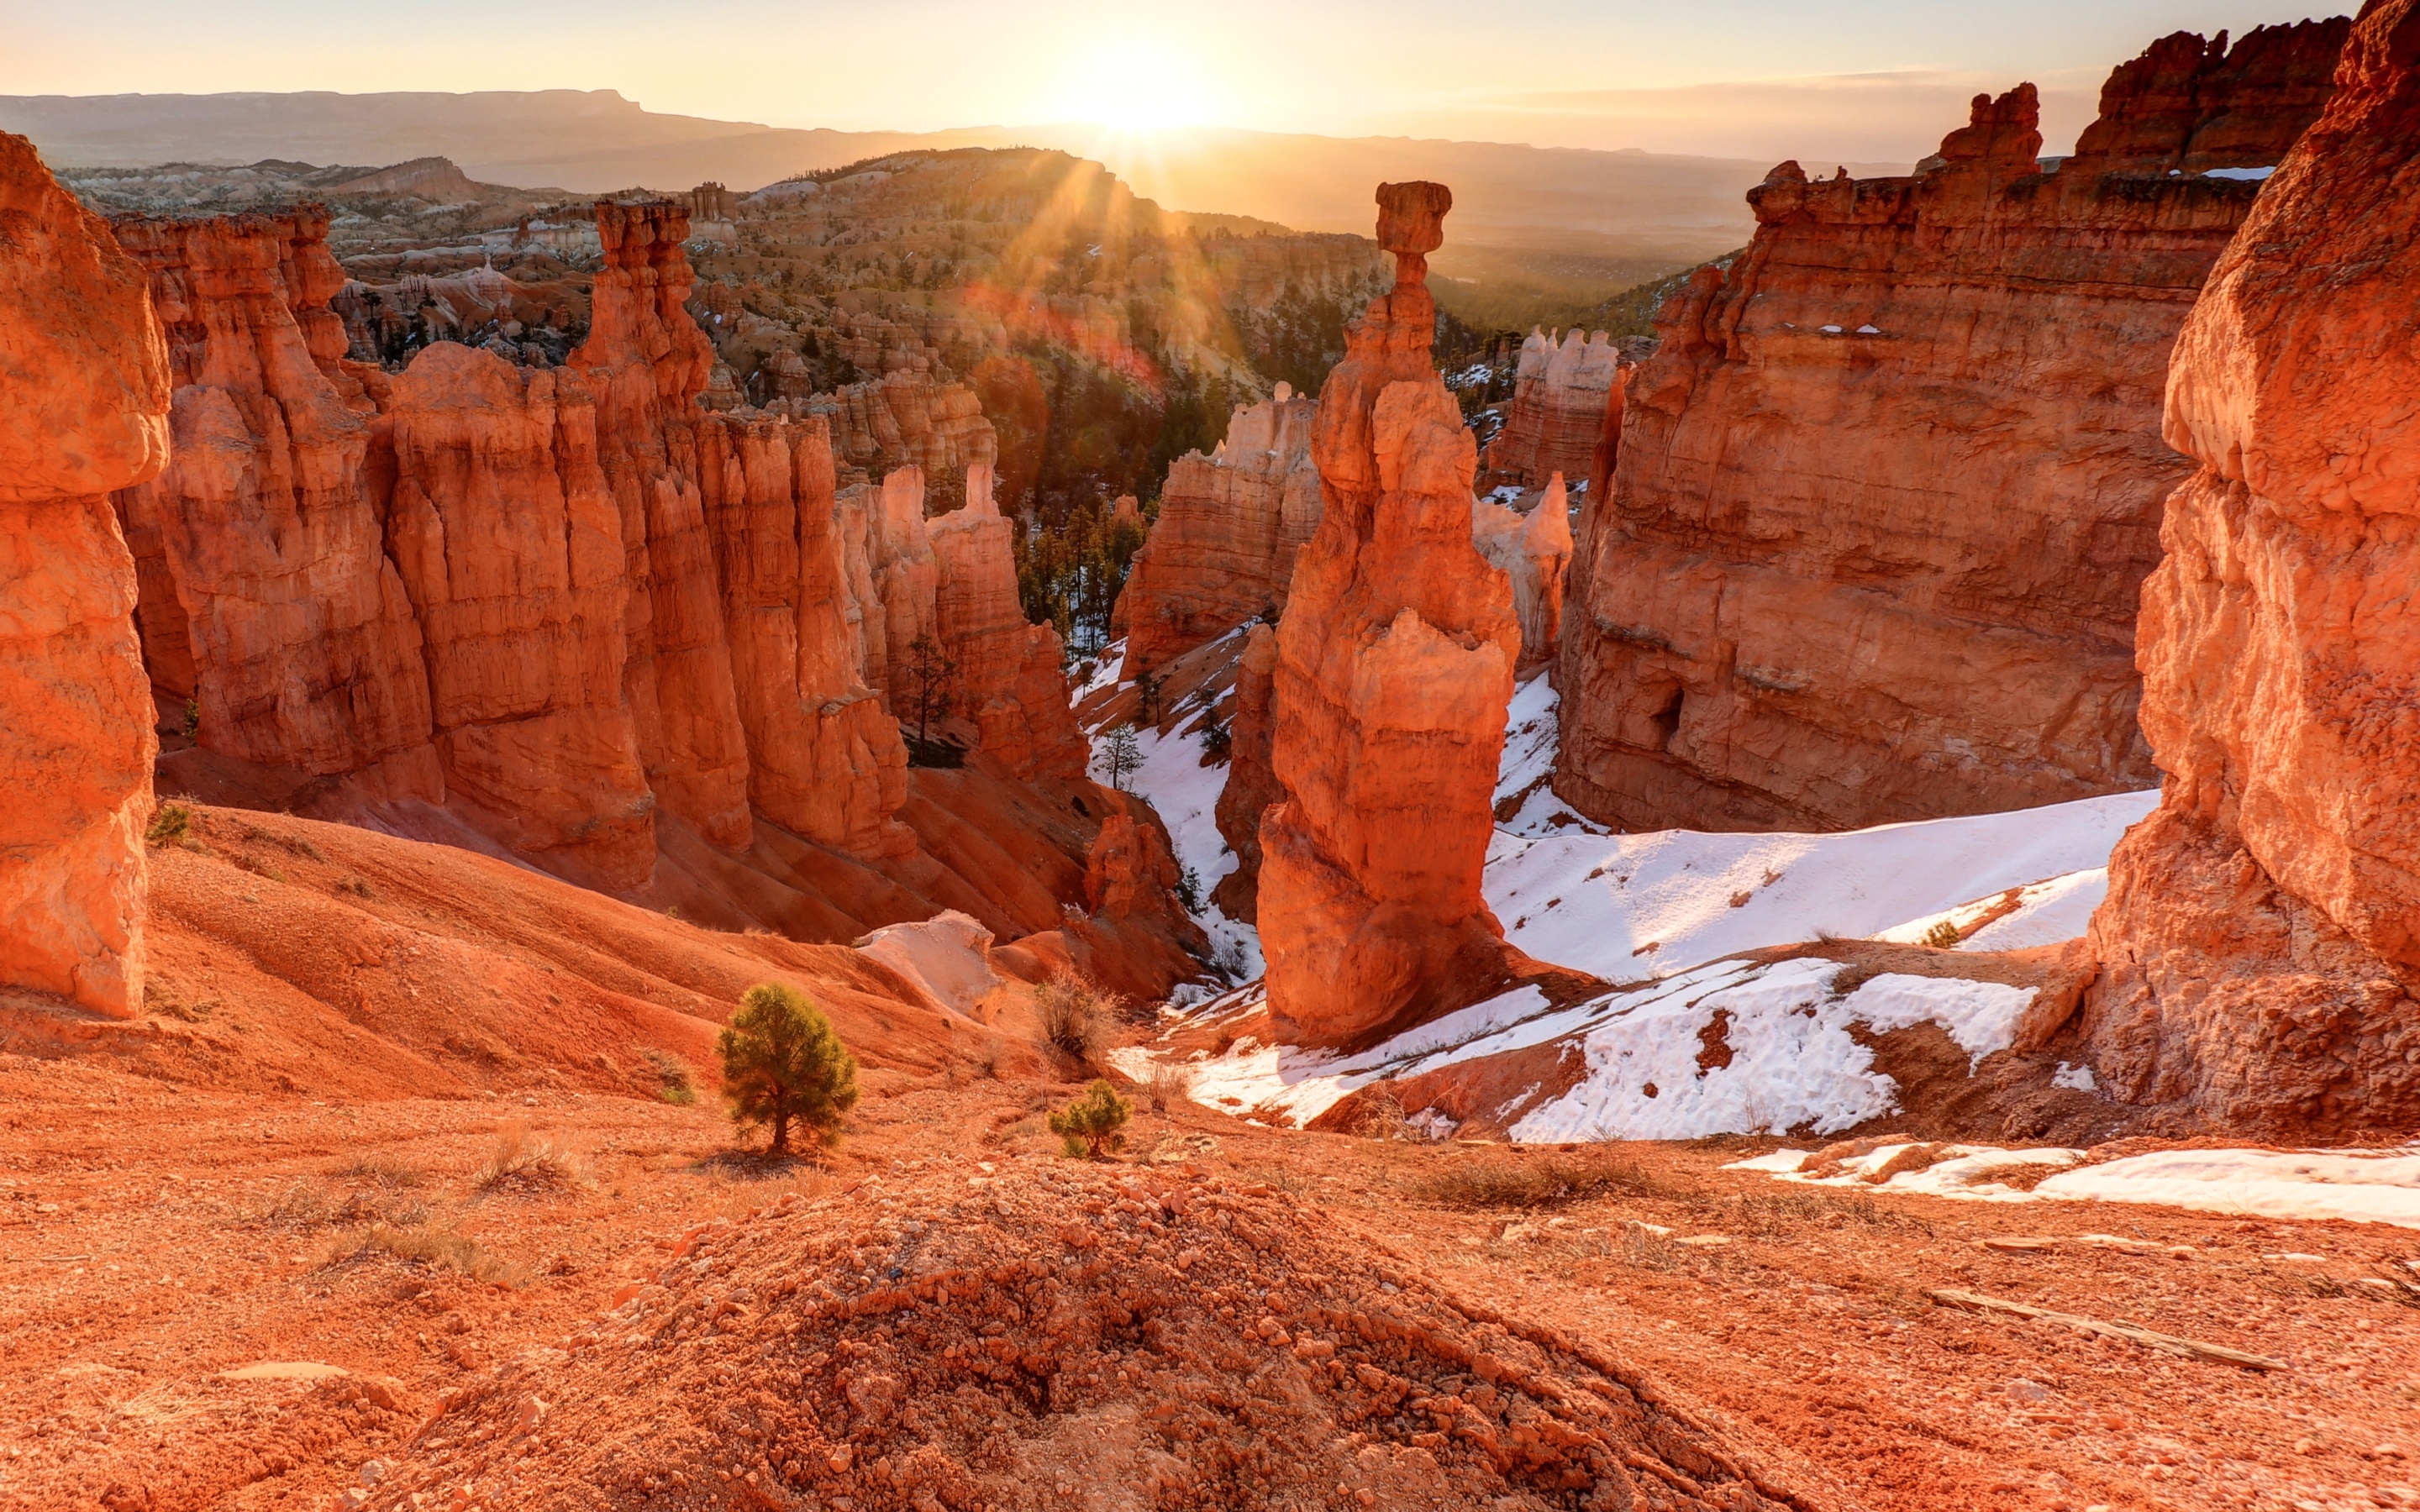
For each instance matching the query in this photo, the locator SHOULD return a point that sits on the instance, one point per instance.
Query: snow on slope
(1631, 906)
(2362, 1186)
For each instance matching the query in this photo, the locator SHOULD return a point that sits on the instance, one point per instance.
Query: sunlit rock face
(2260, 945)
(83, 407)
(1886, 493)
(1559, 399)
(1006, 678)
(1533, 551)
(1223, 549)
(268, 601)
(1394, 664)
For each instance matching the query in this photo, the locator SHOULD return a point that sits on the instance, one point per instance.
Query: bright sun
(1137, 84)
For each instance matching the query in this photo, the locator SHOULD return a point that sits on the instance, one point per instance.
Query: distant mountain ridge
(1627, 205)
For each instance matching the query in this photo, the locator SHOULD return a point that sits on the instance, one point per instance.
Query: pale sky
(1869, 79)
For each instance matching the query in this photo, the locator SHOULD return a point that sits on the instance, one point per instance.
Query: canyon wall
(1888, 489)
(1223, 549)
(84, 406)
(1559, 399)
(1394, 664)
(1008, 680)
(2260, 944)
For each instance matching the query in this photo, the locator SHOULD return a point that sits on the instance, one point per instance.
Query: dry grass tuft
(1540, 1182)
(1075, 1015)
(528, 1163)
(1167, 1086)
(419, 1245)
(674, 1082)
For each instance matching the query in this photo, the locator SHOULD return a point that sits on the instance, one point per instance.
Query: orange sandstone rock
(893, 579)
(84, 403)
(1251, 784)
(646, 361)
(1559, 402)
(1887, 492)
(1008, 682)
(1394, 665)
(1533, 551)
(826, 760)
(1230, 524)
(2260, 945)
(505, 533)
(269, 598)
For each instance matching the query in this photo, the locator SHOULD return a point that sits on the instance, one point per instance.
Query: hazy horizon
(1862, 79)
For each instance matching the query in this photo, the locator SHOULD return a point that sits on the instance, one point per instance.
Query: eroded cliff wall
(84, 406)
(2260, 945)
(1223, 549)
(1559, 399)
(1887, 492)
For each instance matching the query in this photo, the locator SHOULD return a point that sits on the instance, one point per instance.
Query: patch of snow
(1869, 331)
(1982, 1016)
(1780, 1160)
(1530, 734)
(1507, 494)
(1629, 906)
(2255, 174)
(2361, 1186)
(2075, 1078)
(1831, 330)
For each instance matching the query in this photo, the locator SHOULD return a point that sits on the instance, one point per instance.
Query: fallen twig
(2165, 1343)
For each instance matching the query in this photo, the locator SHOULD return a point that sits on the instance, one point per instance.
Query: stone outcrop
(2260, 944)
(827, 761)
(908, 417)
(1533, 551)
(1223, 549)
(1007, 681)
(1394, 665)
(646, 361)
(1558, 401)
(84, 405)
(1888, 489)
(894, 580)
(1251, 784)
(269, 600)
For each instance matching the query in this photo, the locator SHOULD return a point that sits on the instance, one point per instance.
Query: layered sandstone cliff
(1223, 549)
(1559, 399)
(1007, 678)
(84, 403)
(2260, 945)
(1887, 490)
(1394, 664)
(1251, 784)
(269, 600)
(893, 581)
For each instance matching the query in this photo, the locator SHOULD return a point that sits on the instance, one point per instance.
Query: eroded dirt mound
(1071, 1336)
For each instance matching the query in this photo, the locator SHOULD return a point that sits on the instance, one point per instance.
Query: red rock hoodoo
(2261, 946)
(84, 406)
(1887, 491)
(1558, 398)
(1230, 524)
(1008, 681)
(1394, 665)
(269, 600)
(1533, 551)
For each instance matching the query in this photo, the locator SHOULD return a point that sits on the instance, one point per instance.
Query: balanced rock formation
(1558, 400)
(1394, 665)
(84, 406)
(1223, 551)
(1888, 488)
(1533, 550)
(1007, 679)
(268, 599)
(2260, 944)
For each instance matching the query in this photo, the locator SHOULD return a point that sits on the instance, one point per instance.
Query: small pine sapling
(1088, 1127)
(781, 1064)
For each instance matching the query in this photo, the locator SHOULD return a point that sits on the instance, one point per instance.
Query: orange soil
(191, 1195)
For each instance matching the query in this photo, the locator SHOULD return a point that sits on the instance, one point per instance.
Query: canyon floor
(158, 1239)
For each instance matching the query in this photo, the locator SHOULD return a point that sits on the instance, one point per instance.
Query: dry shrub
(1540, 1182)
(394, 1175)
(1167, 1086)
(2017, 1178)
(1075, 1015)
(1272, 1112)
(418, 1244)
(526, 1162)
(1381, 1116)
(674, 1082)
(308, 1204)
